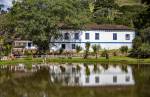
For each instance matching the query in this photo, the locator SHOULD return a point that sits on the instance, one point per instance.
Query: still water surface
(75, 80)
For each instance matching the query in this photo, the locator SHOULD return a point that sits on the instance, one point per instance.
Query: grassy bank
(123, 60)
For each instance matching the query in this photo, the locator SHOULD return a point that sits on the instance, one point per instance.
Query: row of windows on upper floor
(97, 36)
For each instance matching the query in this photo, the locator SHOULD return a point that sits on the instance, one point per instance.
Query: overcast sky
(7, 3)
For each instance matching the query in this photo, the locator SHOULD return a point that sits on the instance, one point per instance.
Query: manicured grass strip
(25, 61)
(99, 60)
(123, 60)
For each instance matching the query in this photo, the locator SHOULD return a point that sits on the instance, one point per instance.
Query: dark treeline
(141, 44)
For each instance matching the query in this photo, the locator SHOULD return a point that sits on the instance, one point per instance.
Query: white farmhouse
(20, 45)
(107, 36)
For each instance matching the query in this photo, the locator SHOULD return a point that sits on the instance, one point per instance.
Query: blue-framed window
(114, 79)
(73, 46)
(97, 79)
(114, 36)
(29, 44)
(127, 36)
(76, 80)
(96, 36)
(63, 46)
(76, 36)
(66, 36)
(87, 79)
(127, 78)
(87, 36)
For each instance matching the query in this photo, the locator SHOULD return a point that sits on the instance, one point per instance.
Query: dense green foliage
(124, 49)
(5, 46)
(142, 41)
(40, 20)
(145, 1)
(105, 11)
(142, 51)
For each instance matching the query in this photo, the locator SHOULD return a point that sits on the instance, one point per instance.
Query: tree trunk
(96, 56)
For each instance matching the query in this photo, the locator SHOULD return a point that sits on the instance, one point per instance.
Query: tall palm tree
(105, 53)
(78, 49)
(96, 48)
(87, 46)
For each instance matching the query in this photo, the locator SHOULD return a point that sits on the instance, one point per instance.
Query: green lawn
(124, 60)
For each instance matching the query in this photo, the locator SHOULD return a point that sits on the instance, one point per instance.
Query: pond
(74, 80)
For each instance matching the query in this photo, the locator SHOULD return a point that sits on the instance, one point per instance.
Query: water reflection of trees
(124, 67)
(105, 66)
(35, 85)
(96, 68)
(5, 75)
(87, 70)
(142, 77)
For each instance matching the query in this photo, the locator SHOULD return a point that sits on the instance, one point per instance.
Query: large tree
(145, 1)
(39, 20)
(142, 19)
(142, 24)
(105, 11)
(129, 12)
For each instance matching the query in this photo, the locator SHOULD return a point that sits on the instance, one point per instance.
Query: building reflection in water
(81, 74)
(91, 75)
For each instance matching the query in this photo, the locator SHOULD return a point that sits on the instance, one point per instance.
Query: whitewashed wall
(105, 39)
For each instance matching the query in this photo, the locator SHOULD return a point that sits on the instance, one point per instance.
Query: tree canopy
(39, 20)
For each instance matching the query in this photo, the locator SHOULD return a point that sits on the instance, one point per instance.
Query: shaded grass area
(122, 60)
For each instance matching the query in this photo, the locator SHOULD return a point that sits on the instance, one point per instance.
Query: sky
(7, 3)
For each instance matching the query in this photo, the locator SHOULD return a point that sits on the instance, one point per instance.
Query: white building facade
(19, 45)
(109, 37)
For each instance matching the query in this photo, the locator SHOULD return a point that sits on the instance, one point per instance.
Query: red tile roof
(107, 27)
(100, 27)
